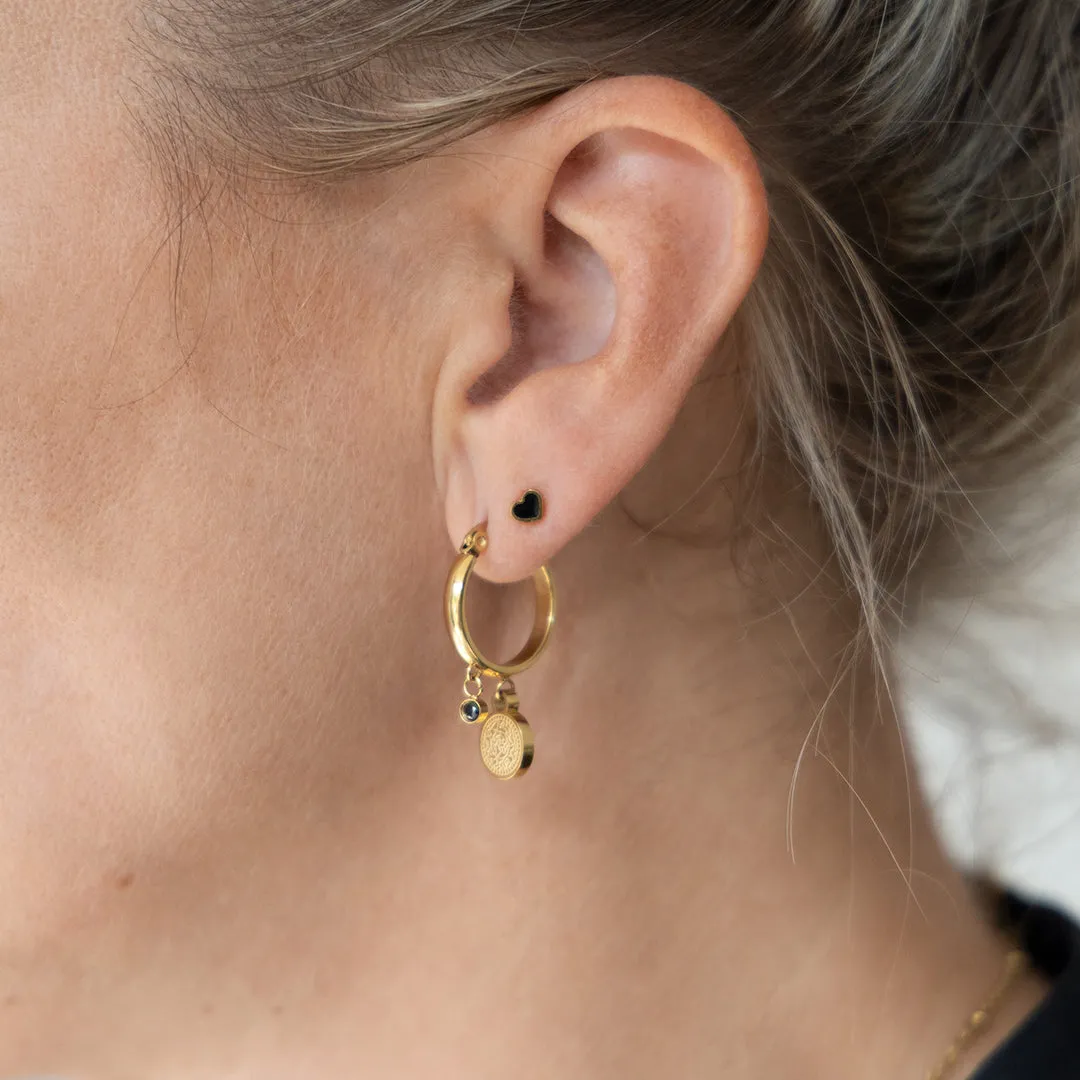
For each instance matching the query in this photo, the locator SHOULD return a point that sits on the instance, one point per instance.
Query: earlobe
(630, 253)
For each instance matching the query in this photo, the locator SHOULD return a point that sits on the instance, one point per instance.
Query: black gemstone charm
(530, 507)
(470, 710)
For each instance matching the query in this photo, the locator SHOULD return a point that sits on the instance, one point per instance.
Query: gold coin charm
(506, 744)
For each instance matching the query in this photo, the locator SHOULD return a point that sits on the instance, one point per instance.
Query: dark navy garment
(1047, 1045)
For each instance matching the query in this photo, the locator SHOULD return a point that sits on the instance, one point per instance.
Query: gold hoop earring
(506, 739)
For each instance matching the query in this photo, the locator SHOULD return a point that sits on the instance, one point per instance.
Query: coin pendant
(506, 745)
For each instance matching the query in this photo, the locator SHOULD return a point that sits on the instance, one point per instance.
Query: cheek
(227, 550)
(224, 645)
(222, 544)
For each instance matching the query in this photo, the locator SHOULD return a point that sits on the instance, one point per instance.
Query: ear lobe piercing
(529, 508)
(506, 739)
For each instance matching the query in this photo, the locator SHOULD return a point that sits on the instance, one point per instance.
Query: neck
(718, 866)
(722, 857)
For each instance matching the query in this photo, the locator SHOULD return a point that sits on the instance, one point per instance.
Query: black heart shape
(530, 507)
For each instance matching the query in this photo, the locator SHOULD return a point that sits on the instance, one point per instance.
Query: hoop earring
(506, 739)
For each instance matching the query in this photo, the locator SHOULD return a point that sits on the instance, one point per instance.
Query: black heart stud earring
(529, 508)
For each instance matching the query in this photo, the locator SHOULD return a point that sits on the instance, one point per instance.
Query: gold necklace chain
(1015, 963)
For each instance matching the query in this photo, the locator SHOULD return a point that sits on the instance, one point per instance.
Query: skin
(242, 833)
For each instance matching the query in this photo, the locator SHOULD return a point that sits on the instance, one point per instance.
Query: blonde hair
(911, 332)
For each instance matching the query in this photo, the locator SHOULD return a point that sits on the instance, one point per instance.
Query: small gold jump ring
(472, 547)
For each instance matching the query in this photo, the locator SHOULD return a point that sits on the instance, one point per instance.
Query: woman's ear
(630, 220)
